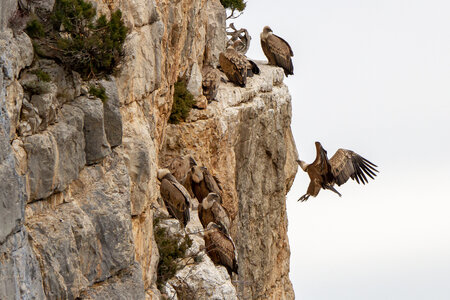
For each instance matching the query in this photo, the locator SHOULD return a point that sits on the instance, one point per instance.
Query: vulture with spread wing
(277, 51)
(345, 164)
(175, 196)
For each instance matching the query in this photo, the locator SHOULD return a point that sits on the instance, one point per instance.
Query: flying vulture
(277, 51)
(200, 182)
(175, 196)
(345, 164)
(211, 211)
(236, 66)
(220, 248)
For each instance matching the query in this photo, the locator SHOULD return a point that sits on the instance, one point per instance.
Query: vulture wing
(282, 53)
(221, 216)
(321, 164)
(223, 247)
(211, 183)
(347, 164)
(186, 201)
(175, 201)
(290, 49)
(234, 65)
(179, 197)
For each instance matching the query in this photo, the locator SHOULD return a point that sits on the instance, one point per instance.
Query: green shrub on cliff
(183, 101)
(99, 92)
(35, 29)
(234, 5)
(171, 250)
(81, 43)
(42, 75)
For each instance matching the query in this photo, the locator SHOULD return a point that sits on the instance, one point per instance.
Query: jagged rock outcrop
(245, 140)
(199, 280)
(79, 187)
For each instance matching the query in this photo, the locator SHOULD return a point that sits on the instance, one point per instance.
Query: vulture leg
(304, 197)
(331, 188)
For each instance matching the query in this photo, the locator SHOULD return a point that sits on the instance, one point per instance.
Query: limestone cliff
(78, 186)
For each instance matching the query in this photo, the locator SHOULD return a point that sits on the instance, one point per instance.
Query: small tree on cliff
(234, 6)
(80, 41)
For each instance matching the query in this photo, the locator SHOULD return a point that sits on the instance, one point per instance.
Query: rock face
(79, 188)
(245, 140)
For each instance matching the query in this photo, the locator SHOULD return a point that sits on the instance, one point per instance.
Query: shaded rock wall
(79, 188)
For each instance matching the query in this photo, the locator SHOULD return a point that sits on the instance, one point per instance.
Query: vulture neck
(207, 204)
(303, 165)
(265, 35)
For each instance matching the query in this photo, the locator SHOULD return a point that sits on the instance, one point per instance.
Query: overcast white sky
(373, 77)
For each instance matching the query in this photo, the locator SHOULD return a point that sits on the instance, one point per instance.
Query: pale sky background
(373, 77)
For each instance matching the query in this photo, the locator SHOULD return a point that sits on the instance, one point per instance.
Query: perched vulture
(175, 196)
(210, 82)
(220, 248)
(200, 182)
(345, 164)
(211, 211)
(277, 51)
(179, 166)
(236, 66)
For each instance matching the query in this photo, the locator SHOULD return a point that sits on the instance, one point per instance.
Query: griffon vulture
(175, 196)
(200, 183)
(236, 66)
(220, 248)
(211, 211)
(180, 166)
(210, 82)
(277, 51)
(344, 164)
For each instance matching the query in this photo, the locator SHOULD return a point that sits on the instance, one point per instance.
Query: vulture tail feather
(331, 188)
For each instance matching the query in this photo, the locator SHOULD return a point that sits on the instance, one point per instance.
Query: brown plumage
(180, 166)
(220, 248)
(175, 196)
(200, 182)
(277, 51)
(210, 82)
(236, 66)
(345, 164)
(212, 211)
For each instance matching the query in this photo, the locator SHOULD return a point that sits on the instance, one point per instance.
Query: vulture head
(208, 202)
(212, 226)
(197, 174)
(192, 161)
(161, 173)
(266, 30)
